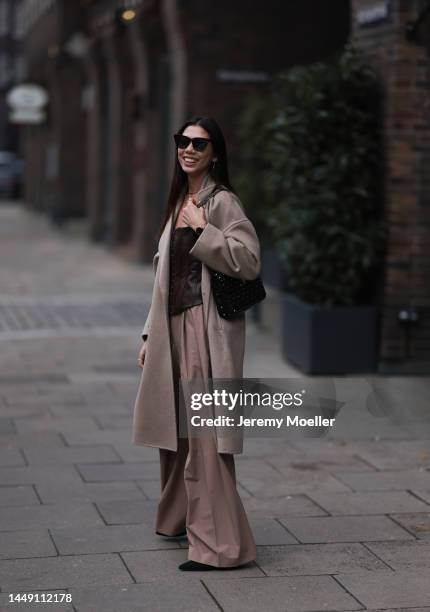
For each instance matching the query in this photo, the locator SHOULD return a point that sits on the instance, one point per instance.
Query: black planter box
(330, 340)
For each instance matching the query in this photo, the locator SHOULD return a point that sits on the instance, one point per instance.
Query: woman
(184, 336)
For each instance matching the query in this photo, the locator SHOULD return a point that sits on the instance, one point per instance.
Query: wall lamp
(127, 15)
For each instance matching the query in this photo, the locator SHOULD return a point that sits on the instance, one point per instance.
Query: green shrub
(322, 178)
(253, 130)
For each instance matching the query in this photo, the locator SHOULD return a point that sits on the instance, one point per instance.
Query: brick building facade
(379, 29)
(55, 150)
(10, 68)
(117, 96)
(176, 59)
(107, 149)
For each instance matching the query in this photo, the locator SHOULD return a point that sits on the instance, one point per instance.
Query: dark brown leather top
(185, 271)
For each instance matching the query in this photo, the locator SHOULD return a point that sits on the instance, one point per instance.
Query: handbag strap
(216, 190)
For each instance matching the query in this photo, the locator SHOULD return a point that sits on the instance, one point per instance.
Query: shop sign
(242, 76)
(374, 12)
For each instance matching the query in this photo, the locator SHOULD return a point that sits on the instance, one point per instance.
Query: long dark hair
(219, 173)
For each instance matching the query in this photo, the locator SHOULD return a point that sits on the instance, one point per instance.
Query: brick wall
(404, 70)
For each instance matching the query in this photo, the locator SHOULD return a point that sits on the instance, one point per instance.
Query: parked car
(11, 173)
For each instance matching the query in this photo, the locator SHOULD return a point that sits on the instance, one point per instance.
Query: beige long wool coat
(230, 245)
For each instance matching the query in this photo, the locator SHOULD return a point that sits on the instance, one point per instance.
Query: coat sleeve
(229, 242)
(145, 330)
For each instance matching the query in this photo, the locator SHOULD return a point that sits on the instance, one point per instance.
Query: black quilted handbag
(233, 295)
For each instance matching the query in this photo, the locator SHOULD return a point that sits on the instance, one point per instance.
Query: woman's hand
(193, 216)
(141, 358)
(229, 243)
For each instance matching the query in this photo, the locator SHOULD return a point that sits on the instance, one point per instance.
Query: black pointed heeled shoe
(195, 566)
(176, 535)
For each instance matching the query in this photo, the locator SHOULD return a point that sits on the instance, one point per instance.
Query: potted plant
(324, 180)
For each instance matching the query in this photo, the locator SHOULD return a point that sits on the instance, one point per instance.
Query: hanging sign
(27, 102)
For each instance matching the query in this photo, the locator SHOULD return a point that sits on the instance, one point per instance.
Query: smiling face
(195, 163)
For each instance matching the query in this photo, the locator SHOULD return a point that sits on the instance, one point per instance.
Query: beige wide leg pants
(198, 484)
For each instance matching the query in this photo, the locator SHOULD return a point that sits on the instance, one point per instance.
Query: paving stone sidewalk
(341, 523)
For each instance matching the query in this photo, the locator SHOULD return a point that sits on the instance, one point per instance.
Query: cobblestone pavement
(341, 523)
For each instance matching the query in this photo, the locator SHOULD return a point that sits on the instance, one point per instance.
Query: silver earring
(214, 161)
